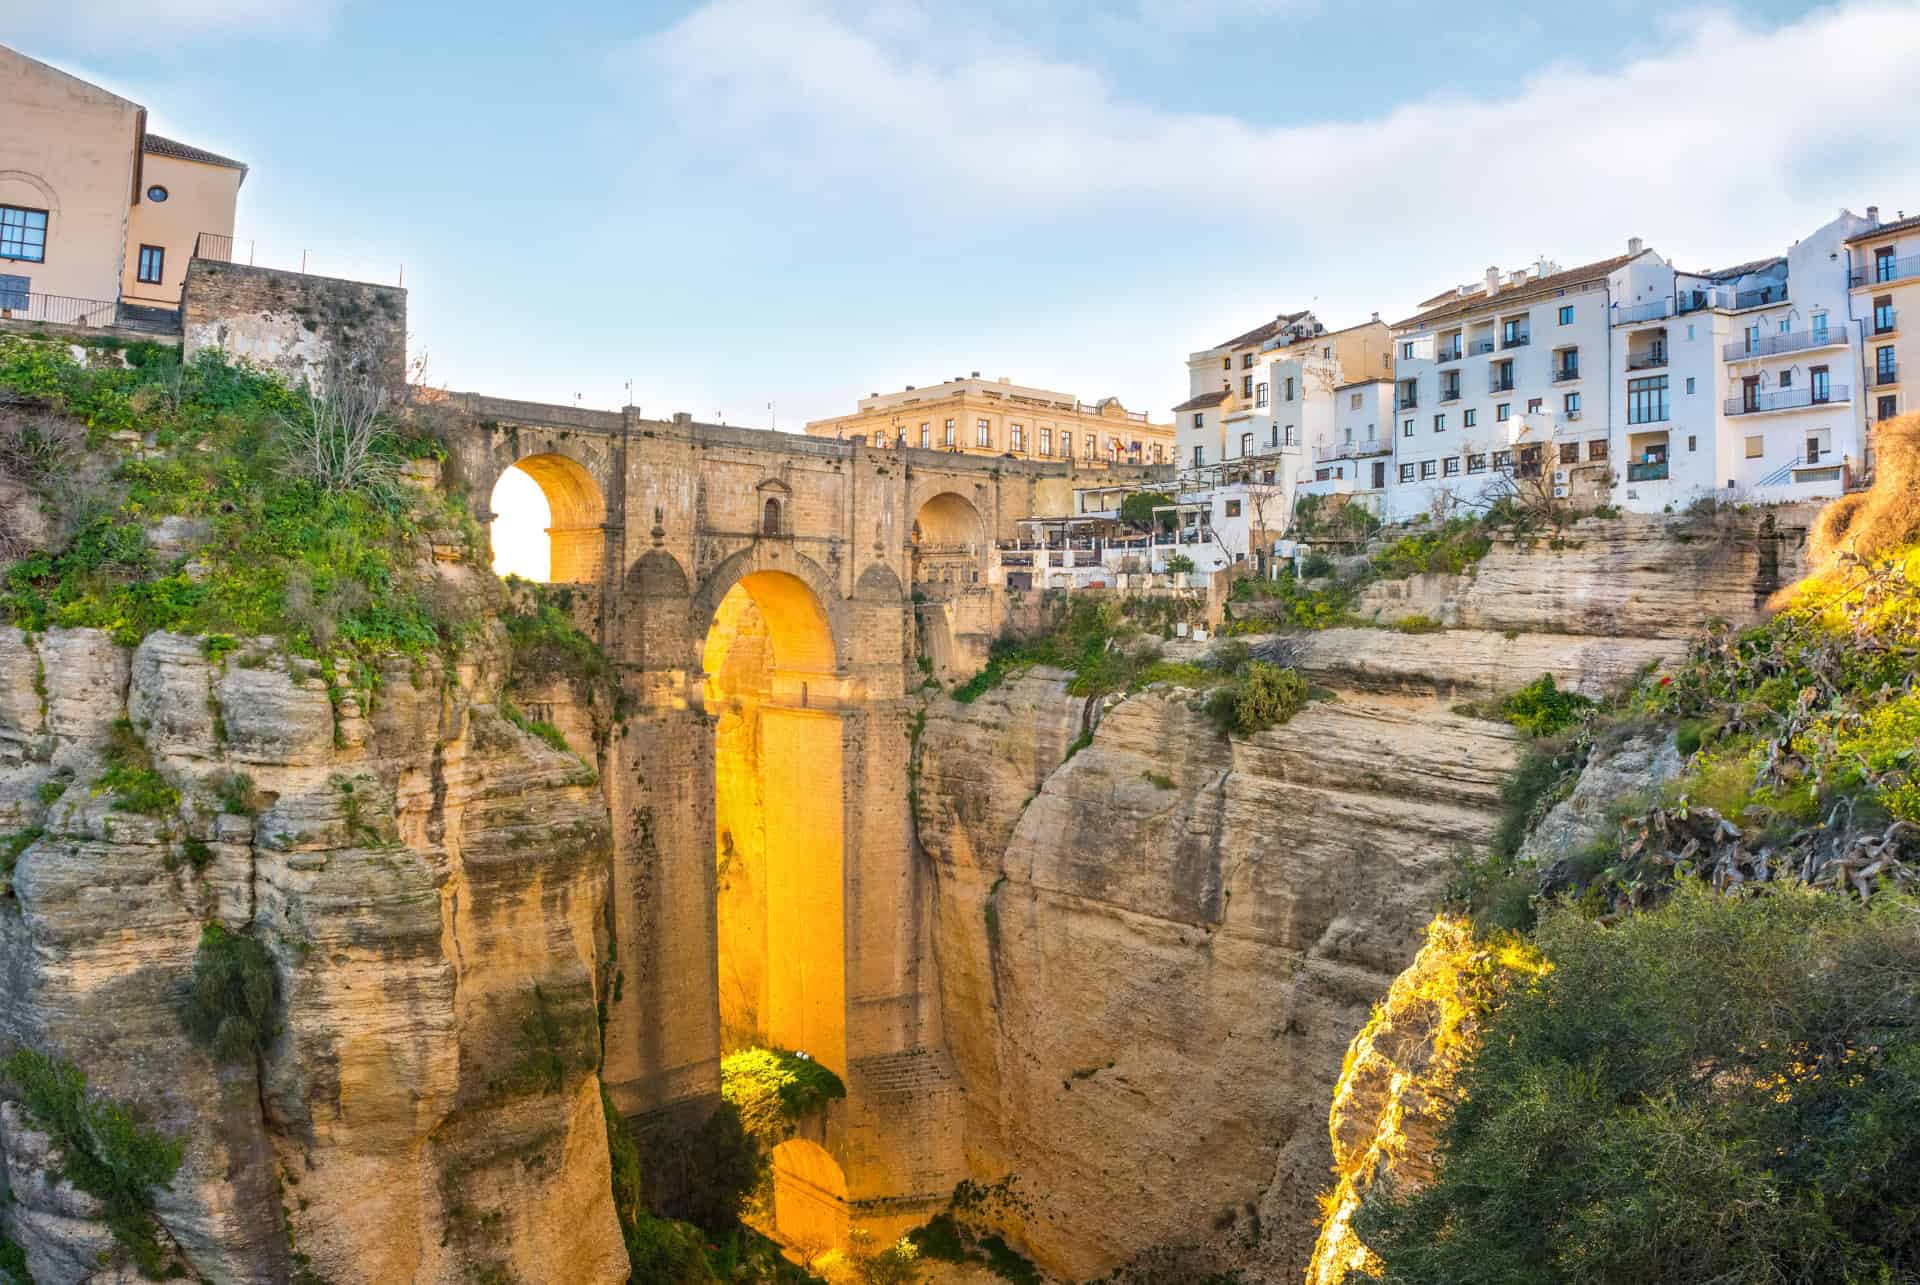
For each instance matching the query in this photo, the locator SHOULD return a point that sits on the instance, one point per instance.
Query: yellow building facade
(975, 416)
(96, 211)
(1884, 281)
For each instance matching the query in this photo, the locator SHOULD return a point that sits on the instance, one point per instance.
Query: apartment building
(1737, 384)
(975, 416)
(1883, 285)
(1356, 460)
(98, 216)
(1503, 378)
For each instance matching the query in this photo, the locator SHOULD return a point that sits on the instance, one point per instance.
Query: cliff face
(429, 882)
(1156, 952)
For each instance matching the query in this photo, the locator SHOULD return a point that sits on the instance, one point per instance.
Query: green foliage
(1260, 695)
(1316, 566)
(773, 1089)
(1180, 565)
(1542, 709)
(535, 727)
(1137, 510)
(1417, 624)
(13, 1263)
(1298, 605)
(1088, 635)
(321, 570)
(104, 1151)
(553, 1039)
(131, 778)
(235, 792)
(964, 1233)
(13, 845)
(233, 1002)
(546, 641)
(1720, 1089)
(1451, 548)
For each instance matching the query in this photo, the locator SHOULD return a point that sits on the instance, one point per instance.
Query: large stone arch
(763, 559)
(946, 518)
(809, 1196)
(576, 497)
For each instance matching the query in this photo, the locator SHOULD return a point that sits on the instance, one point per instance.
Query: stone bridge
(766, 599)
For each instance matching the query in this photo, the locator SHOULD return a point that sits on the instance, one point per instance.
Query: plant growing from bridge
(774, 1089)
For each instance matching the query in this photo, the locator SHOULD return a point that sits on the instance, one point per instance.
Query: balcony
(1647, 471)
(1881, 271)
(1652, 310)
(1881, 376)
(1498, 385)
(1792, 341)
(1516, 341)
(1407, 401)
(1363, 449)
(1450, 394)
(1479, 347)
(1649, 359)
(1759, 298)
(1696, 300)
(1565, 374)
(1787, 399)
(1447, 354)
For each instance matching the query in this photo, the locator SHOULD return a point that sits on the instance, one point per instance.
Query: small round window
(156, 193)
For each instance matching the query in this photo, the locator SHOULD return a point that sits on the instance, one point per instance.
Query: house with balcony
(1738, 383)
(1356, 461)
(1501, 378)
(1883, 287)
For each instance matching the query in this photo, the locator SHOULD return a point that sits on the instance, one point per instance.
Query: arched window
(770, 518)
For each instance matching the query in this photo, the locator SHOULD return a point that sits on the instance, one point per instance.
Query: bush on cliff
(232, 1002)
(1720, 1089)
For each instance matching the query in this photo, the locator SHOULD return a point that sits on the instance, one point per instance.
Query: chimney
(1493, 280)
(976, 374)
(1873, 215)
(1376, 316)
(1635, 245)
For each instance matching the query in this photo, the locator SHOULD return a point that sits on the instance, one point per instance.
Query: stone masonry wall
(293, 323)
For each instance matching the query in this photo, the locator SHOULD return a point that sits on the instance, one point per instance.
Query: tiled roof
(1202, 402)
(1260, 334)
(1741, 269)
(1535, 288)
(1884, 229)
(159, 146)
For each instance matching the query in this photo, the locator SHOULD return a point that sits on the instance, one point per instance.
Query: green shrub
(546, 731)
(1452, 548)
(1179, 565)
(1542, 709)
(1720, 1089)
(773, 1089)
(1417, 624)
(233, 1003)
(1137, 510)
(1545, 775)
(553, 1038)
(13, 1263)
(235, 792)
(1316, 566)
(1261, 695)
(130, 777)
(104, 1151)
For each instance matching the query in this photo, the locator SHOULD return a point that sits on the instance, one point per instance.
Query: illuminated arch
(809, 1196)
(948, 520)
(576, 516)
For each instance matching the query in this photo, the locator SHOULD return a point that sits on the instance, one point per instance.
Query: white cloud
(117, 24)
(1731, 140)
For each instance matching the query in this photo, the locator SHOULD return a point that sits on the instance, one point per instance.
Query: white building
(1504, 375)
(1356, 459)
(1739, 384)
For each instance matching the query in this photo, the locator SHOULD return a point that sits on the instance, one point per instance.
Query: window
(1885, 408)
(1246, 361)
(1883, 314)
(1535, 405)
(1066, 444)
(1273, 435)
(1226, 363)
(1502, 412)
(1046, 441)
(1693, 443)
(1017, 436)
(1503, 460)
(1884, 264)
(1322, 474)
(1569, 452)
(1566, 314)
(982, 432)
(1293, 436)
(948, 439)
(1450, 466)
(1260, 394)
(1353, 401)
(1428, 468)
(14, 291)
(1199, 456)
(770, 518)
(157, 194)
(1468, 418)
(1786, 378)
(1199, 419)
(1822, 387)
(1406, 352)
(153, 265)
(1820, 327)
(1246, 385)
(1406, 428)
(926, 436)
(1476, 463)
(1785, 326)
(1406, 472)
(23, 234)
(1268, 476)
(1571, 403)
(1756, 447)
(1511, 332)
(1233, 508)
(1883, 365)
(1597, 448)
(1133, 449)
(1647, 399)
(1568, 367)
(1246, 443)
(1439, 423)
(1689, 385)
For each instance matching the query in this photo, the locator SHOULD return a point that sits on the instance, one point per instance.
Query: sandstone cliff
(1155, 951)
(430, 883)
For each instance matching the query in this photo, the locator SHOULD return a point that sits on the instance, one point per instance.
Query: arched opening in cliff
(778, 826)
(809, 1197)
(549, 521)
(947, 537)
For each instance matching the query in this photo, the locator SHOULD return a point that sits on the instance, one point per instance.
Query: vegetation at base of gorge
(326, 564)
(104, 1152)
(967, 1231)
(1712, 1071)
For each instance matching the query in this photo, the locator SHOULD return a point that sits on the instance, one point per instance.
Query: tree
(1137, 510)
(338, 440)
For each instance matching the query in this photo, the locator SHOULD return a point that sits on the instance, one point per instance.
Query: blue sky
(751, 201)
